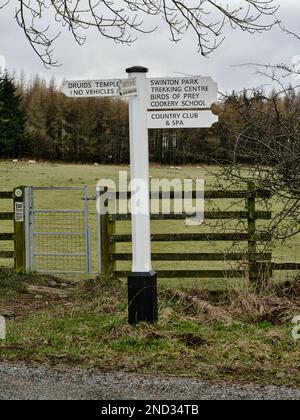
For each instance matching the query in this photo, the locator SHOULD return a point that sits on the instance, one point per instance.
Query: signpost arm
(142, 282)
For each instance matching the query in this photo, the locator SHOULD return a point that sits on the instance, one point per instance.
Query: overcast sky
(100, 58)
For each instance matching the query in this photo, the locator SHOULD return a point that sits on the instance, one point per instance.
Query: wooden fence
(5, 216)
(252, 262)
(257, 262)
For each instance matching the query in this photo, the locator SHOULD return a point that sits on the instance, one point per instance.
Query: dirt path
(18, 382)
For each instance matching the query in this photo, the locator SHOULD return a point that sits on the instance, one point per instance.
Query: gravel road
(18, 382)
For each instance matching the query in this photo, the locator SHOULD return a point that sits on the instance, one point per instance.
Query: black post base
(142, 297)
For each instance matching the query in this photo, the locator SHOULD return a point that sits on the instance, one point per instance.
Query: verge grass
(214, 336)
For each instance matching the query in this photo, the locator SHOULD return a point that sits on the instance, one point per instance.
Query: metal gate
(58, 236)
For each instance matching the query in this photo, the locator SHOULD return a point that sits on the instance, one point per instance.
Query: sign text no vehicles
(91, 88)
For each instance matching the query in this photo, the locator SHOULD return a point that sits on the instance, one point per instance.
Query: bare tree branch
(122, 20)
(265, 133)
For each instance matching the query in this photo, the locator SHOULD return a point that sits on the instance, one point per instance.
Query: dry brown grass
(275, 304)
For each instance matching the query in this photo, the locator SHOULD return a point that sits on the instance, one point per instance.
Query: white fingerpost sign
(165, 103)
(181, 93)
(128, 87)
(91, 88)
(181, 119)
(181, 102)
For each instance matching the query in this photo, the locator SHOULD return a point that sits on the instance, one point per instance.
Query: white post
(139, 159)
(142, 282)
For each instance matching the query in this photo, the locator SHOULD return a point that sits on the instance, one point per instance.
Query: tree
(12, 120)
(122, 20)
(265, 131)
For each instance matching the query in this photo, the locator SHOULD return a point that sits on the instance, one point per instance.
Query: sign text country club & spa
(193, 94)
(181, 119)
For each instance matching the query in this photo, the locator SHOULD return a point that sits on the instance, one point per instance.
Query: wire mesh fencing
(59, 238)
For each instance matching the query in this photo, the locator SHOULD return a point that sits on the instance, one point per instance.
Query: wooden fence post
(251, 207)
(108, 227)
(260, 271)
(19, 230)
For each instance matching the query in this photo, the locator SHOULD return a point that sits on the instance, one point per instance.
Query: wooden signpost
(182, 102)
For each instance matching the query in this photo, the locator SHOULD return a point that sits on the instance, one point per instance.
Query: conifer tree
(12, 120)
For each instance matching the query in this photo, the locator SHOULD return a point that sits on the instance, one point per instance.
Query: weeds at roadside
(210, 335)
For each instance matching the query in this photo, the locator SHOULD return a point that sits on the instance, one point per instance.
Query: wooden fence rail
(6, 195)
(210, 215)
(214, 194)
(203, 237)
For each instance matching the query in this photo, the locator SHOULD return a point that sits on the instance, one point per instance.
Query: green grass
(13, 285)
(10, 284)
(92, 331)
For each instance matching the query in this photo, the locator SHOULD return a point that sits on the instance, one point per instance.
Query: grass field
(58, 175)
